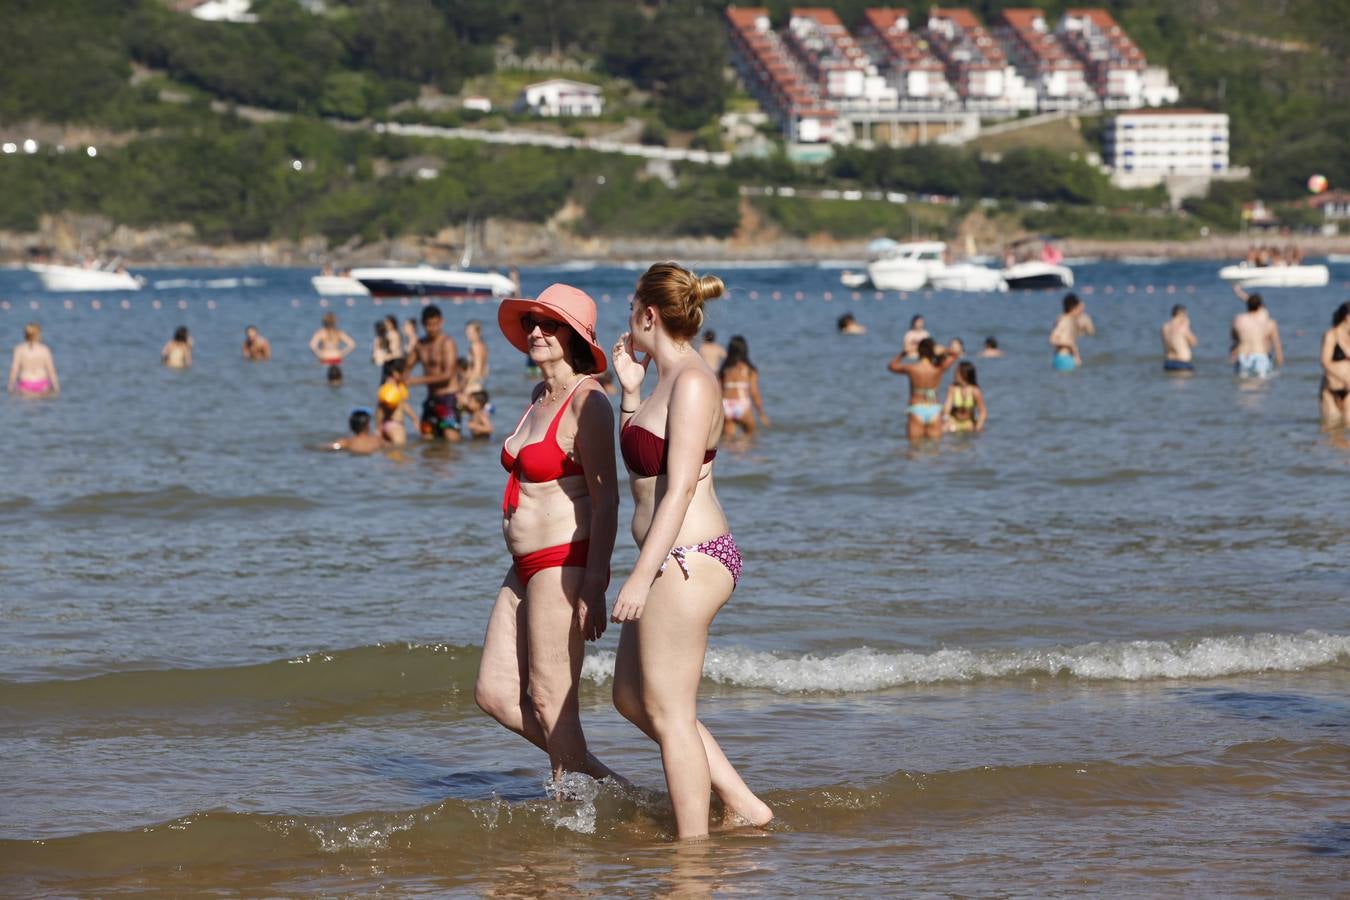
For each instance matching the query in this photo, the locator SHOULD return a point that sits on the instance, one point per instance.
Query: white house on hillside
(561, 97)
(218, 10)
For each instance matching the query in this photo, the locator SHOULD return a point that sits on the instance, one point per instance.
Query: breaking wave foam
(865, 669)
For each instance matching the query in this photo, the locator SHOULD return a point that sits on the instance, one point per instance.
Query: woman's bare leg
(662, 702)
(502, 687)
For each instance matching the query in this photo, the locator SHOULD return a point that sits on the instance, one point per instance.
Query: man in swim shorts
(1178, 339)
(1256, 341)
(439, 358)
(1064, 336)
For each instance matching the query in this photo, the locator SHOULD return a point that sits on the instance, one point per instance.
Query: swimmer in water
(990, 349)
(1335, 359)
(712, 352)
(848, 324)
(362, 440)
(177, 353)
(480, 421)
(256, 347)
(925, 377)
(965, 409)
(331, 344)
(1256, 351)
(740, 389)
(32, 372)
(476, 377)
(1178, 339)
(909, 344)
(1064, 336)
(393, 406)
(956, 347)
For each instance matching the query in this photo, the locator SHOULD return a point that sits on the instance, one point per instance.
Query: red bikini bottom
(567, 556)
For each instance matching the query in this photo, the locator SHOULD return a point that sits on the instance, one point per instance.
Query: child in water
(478, 408)
(177, 353)
(361, 440)
(393, 406)
(964, 409)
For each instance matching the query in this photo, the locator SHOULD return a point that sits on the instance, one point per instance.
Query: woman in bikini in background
(32, 373)
(740, 389)
(925, 377)
(687, 564)
(559, 517)
(1335, 358)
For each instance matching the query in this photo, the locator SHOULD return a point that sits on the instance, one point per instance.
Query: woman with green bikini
(925, 377)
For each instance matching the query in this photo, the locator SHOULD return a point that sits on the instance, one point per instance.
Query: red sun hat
(571, 306)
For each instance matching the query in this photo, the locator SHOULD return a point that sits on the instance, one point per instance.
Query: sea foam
(865, 669)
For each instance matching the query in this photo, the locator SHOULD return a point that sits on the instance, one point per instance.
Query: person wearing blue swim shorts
(925, 378)
(1256, 341)
(1064, 336)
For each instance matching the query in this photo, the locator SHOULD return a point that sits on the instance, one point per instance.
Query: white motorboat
(904, 267)
(428, 281)
(1275, 276)
(82, 278)
(1036, 275)
(854, 279)
(338, 286)
(968, 277)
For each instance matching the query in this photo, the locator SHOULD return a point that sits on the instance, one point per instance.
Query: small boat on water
(1248, 276)
(1339, 258)
(428, 281)
(903, 267)
(968, 277)
(1034, 275)
(85, 278)
(338, 286)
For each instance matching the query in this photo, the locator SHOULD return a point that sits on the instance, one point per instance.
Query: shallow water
(1103, 646)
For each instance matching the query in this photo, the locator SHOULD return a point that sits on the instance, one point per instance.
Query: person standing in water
(712, 352)
(331, 344)
(1064, 336)
(1257, 351)
(560, 514)
(990, 349)
(439, 358)
(688, 563)
(909, 344)
(32, 371)
(476, 378)
(177, 353)
(740, 389)
(964, 409)
(925, 377)
(1177, 340)
(256, 347)
(1335, 359)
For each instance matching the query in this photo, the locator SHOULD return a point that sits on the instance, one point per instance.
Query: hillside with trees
(188, 103)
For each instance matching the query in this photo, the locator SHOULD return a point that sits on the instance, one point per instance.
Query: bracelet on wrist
(627, 412)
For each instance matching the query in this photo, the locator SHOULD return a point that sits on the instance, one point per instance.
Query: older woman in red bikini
(688, 563)
(559, 516)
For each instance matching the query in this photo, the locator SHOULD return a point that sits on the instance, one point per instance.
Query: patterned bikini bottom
(721, 548)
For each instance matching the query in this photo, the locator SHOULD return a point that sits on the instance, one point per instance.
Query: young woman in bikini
(740, 389)
(925, 377)
(1335, 358)
(559, 516)
(687, 563)
(32, 373)
(964, 409)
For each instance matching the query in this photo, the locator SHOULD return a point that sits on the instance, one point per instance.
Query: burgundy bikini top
(645, 453)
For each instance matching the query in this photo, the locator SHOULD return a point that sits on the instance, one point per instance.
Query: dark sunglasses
(545, 326)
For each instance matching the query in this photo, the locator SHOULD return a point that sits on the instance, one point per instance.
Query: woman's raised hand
(627, 369)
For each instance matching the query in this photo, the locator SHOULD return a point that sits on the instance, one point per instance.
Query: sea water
(1103, 646)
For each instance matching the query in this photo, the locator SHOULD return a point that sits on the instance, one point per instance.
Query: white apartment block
(1145, 146)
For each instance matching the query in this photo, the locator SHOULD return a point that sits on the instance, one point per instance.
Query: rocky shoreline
(507, 243)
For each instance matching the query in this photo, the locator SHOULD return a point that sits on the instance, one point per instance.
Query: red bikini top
(645, 453)
(541, 461)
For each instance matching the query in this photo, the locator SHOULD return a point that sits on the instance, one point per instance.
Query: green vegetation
(137, 67)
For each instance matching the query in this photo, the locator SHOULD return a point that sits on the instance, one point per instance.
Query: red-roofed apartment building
(1115, 66)
(975, 64)
(904, 59)
(1038, 55)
